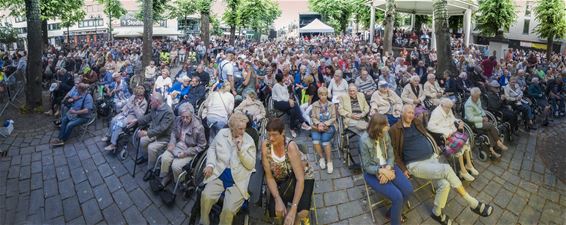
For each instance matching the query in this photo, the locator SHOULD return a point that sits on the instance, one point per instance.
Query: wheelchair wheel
(483, 155)
(123, 153)
(198, 176)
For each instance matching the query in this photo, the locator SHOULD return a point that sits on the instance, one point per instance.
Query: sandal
(483, 209)
(388, 216)
(442, 219)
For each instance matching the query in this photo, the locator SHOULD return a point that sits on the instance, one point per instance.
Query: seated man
(536, 92)
(179, 91)
(495, 104)
(187, 140)
(229, 165)
(354, 108)
(365, 84)
(156, 137)
(386, 102)
(196, 92)
(79, 112)
(416, 154)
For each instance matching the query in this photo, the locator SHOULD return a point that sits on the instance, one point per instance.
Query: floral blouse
(281, 167)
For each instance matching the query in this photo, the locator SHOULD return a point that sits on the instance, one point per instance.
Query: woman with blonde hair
(323, 116)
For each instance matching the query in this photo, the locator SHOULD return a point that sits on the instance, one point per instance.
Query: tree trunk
(444, 52)
(388, 23)
(205, 28)
(45, 36)
(147, 32)
(110, 37)
(550, 43)
(232, 34)
(33, 70)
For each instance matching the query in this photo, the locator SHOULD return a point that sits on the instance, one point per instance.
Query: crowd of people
(406, 113)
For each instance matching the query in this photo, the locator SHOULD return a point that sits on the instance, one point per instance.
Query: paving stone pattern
(80, 183)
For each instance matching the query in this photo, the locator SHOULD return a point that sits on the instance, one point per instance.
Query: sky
(290, 10)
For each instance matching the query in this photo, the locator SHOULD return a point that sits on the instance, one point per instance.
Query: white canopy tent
(425, 7)
(316, 26)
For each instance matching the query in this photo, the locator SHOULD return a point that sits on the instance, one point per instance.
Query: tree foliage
(551, 15)
(8, 34)
(257, 14)
(456, 22)
(113, 8)
(363, 14)
(215, 22)
(335, 12)
(420, 20)
(160, 12)
(495, 17)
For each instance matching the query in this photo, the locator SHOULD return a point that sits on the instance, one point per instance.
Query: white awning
(138, 32)
(425, 7)
(316, 26)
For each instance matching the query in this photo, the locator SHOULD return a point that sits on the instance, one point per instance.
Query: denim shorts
(323, 137)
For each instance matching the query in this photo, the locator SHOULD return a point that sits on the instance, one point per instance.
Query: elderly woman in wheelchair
(288, 176)
(413, 93)
(252, 107)
(134, 108)
(354, 109)
(380, 171)
(187, 140)
(475, 114)
(448, 132)
(230, 162)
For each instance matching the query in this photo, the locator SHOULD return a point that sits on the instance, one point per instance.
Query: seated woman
(163, 82)
(134, 108)
(413, 93)
(323, 116)
(514, 96)
(385, 101)
(285, 102)
(230, 162)
(288, 176)
(442, 125)
(217, 109)
(536, 92)
(380, 171)
(354, 108)
(80, 112)
(187, 140)
(475, 114)
(432, 90)
(118, 90)
(252, 107)
(179, 91)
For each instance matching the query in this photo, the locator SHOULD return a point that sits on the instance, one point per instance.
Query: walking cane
(134, 137)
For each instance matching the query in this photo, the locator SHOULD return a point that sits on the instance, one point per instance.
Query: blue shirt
(85, 102)
(178, 86)
(416, 147)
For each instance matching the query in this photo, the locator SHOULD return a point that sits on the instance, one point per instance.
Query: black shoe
(141, 160)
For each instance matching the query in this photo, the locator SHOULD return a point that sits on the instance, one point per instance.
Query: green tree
(442, 37)
(159, 12)
(183, 8)
(215, 22)
(495, 17)
(456, 22)
(363, 14)
(551, 15)
(420, 20)
(388, 23)
(113, 9)
(33, 68)
(336, 13)
(230, 17)
(8, 34)
(68, 18)
(147, 32)
(257, 14)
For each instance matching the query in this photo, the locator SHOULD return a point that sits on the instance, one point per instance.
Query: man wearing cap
(496, 105)
(386, 102)
(536, 92)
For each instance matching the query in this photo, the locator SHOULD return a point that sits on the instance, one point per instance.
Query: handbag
(454, 143)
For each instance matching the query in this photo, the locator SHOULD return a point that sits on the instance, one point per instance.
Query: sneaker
(322, 163)
(110, 148)
(104, 139)
(304, 126)
(473, 171)
(57, 142)
(466, 176)
(330, 167)
(49, 113)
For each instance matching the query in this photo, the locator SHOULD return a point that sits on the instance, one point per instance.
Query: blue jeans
(323, 137)
(557, 104)
(398, 191)
(215, 125)
(67, 125)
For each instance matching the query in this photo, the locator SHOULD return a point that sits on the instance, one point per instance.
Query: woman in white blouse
(442, 124)
(284, 102)
(432, 89)
(413, 93)
(217, 109)
(337, 87)
(163, 82)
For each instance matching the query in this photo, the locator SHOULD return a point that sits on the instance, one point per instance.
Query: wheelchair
(479, 141)
(121, 149)
(254, 189)
(271, 111)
